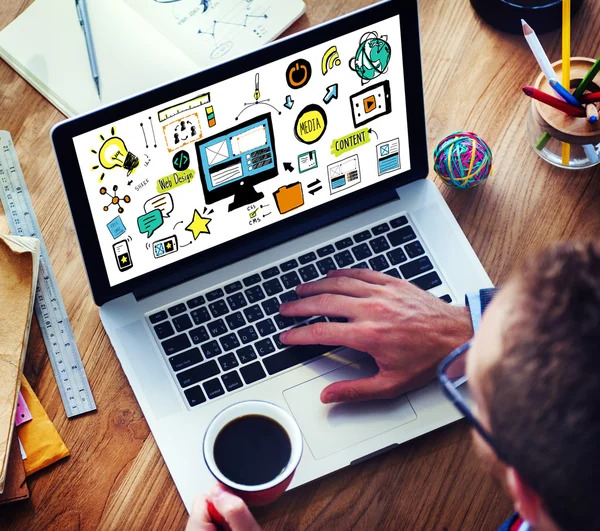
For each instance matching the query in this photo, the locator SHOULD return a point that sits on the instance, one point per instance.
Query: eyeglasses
(452, 375)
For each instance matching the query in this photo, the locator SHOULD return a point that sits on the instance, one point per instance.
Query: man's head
(534, 372)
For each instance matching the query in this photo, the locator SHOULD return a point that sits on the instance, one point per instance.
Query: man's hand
(408, 331)
(230, 507)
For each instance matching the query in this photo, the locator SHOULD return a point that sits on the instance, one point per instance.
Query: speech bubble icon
(162, 202)
(149, 222)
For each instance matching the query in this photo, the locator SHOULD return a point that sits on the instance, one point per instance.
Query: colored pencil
(564, 93)
(546, 98)
(538, 51)
(591, 112)
(592, 97)
(589, 77)
(566, 69)
(591, 153)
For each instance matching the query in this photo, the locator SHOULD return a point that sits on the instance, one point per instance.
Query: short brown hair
(544, 393)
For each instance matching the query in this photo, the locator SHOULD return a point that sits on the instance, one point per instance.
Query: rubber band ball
(463, 160)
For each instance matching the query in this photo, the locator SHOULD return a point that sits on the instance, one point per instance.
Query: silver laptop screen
(234, 157)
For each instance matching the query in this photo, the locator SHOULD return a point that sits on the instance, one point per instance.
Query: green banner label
(349, 142)
(176, 179)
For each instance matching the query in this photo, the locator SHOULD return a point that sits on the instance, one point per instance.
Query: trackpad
(329, 428)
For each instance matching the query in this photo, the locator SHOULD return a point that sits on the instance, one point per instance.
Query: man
(533, 372)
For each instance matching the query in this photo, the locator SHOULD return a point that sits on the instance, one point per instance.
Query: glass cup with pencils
(567, 115)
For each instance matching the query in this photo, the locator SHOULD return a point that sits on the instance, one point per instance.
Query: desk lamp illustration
(257, 100)
(113, 153)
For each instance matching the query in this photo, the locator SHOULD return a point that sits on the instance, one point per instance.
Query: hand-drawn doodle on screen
(372, 57)
(257, 100)
(113, 153)
(330, 60)
(182, 131)
(199, 224)
(115, 200)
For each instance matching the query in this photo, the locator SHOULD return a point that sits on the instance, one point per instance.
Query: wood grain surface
(116, 478)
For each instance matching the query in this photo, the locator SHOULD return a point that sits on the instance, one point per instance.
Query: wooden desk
(116, 477)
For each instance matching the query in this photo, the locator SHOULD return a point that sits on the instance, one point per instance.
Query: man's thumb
(357, 390)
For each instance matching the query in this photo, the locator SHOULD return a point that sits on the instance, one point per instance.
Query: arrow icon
(332, 94)
(313, 192)
(289, 103)
(129, 183)
(373, 132)
(311, 185)
(288, 167)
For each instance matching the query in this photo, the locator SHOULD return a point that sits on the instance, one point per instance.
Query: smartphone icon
(123, 255)
(165, 247)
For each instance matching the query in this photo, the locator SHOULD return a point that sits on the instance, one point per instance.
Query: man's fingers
(366, 275)
(325, 304)
(374, 387)
(199, 518)
(340, 285)
(330, 334)
(233, 509)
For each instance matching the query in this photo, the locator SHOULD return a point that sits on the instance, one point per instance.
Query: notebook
(139, 44)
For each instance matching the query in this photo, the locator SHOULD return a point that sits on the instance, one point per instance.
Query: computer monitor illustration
(236, 160)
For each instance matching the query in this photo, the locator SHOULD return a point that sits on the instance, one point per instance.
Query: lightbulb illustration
(114, 153)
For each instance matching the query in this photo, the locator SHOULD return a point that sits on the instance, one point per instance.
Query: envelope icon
(218, 152)
(385, 150)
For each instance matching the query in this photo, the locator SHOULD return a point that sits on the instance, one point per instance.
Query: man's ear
(527, 502)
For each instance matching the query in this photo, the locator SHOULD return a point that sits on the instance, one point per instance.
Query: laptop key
(158, 317)
(326, 265)
(195, 396)
(266, 327)
(253, 372)
(246, 354)
(416, 267)
(380, 229)
(232, 381)
(362, 236)
(289, 265)
(294, 356)
(325, 251)
(361, 265)
(218, 308)
(270, 273)
(397, 256)
(393, 273)
(195, 302)
(379, 245)
(200, 316)
(182, 323)
(255, 294)
(254, 313)
(265, 347)
(399, 222)
(290, 280)
(211, 349)
(308, 273)
(176, 344)
(362, 251)
(229, 342)
(379, 263)
(271, 306)
(232, 288)
(186, 359)
(307, 258)
(236, 301)
(217, 328)
(278, 343)
(414, 249)
(289, 296)
(198, 374)
(446, 298)
(284, 322)
(251, 280)
(228, 362)
(199, 335)
(235, 320)
(344, 259)
(214, 295)
(428, 281)
(248, 335)
(176, 310)
(213, 388)
(403, 235)
(164, 330)
(344, 244)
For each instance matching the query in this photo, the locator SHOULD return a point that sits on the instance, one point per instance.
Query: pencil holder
(548, 128)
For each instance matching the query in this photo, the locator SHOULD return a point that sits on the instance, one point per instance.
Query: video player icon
(370, 104)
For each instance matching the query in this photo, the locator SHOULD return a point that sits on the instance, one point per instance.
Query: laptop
(201, 205)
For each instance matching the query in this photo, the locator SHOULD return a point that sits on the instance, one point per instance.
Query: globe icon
(372, 57)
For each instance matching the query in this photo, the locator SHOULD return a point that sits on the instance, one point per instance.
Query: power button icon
(298, 74)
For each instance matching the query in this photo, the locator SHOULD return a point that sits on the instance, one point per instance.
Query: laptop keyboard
(227, 338)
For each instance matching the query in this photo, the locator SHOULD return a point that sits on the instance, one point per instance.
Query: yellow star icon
(124, 259)
(199, 225)
(168, 246)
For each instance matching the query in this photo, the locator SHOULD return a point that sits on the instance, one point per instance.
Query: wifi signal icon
(330, 59)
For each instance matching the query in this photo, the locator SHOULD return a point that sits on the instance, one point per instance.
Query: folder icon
(289, 197)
